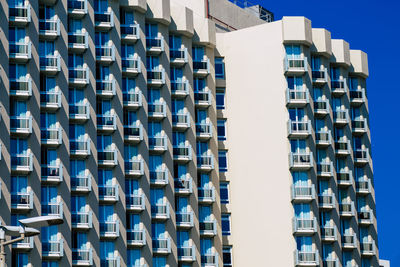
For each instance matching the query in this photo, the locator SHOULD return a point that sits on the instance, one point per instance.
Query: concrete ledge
(182, 20)
(159, 10)
(322, 43)
(297, 30)
(138, 5)
(340, 52)
(204, 32)
(359, 63)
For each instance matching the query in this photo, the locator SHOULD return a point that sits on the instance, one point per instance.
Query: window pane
(220, 99)
(222, 161)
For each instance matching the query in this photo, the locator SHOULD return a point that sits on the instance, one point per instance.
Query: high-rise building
(183, 133)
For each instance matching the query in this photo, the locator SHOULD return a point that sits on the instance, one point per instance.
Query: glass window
(219, 68)
(227, 256)
(220, 99)
(226, 224)
(21, 259)
(47, 264)
(159, 261)
(221, 130)
(224, 192)
(134, 257)
(223, 164)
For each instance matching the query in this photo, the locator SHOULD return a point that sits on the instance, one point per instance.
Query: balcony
(24, 245)
(155, 45)
(130, 33)
(304, 226)
(158, 144)
(357, 97)
(349, 241)
(182, 153)
(178, 57)
(295, 65)
(109, 193)
(321, 107)
(20, 51)
(109, 229)
(328, 233)
(301, 160)
(342, 147)
(303, 193)
(131, 67)
(159, 177)
(108, 158)
(78, 77)
(104, 20)
(204, 130)
(79, 111)
(114, 261)
(162, 245)
(306, 258)
(206, 195)
(80, 148)
(22, 163)
(50, 64)
(19, 15)
(105, 88)
(50, 100)
(205, 162)
(361, 156)
(82, 257)
(363, 186)
(21, 87)
(209, 260)
(299, 129)
(345, 178)
(77, 8)
(105, 54)
(49, 28)
(81, 184)
(160, 211)
(202, 99)
(331, 262)
(180, 89)
(106, 123)
(341, 117)
(157, 110)
(319, 77)
(53, 209)
(134, 167)
(297, 97)
(327, 201)
(325, 169)
(135, 202)
(187, 254)
(133, 133)
(156, 77)
(366, 217)
(184, 219)
(78, 41)
(181, 121)
(208, 228)
(22, 201)
(347, 209)
(136, 238)
(359, 126)
(183, 185)
(51, 136)
(201, 68)
(52, 173)
(53, 249)
(323, 138)
(368, 248)
(132, 99)
(339, 87)
(81, 220)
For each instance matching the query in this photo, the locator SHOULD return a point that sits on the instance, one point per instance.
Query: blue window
(227, 256)
(134, 257)
(226, 224)
(223, 164)
(159, 261)
(221, 130)
(219, 68)
(220, 100)
(224, 192)
(45, 263)
(21, 260)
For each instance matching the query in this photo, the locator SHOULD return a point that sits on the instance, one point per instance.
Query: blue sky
(374, 27)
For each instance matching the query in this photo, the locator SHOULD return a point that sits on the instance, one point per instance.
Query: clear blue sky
(374, 27)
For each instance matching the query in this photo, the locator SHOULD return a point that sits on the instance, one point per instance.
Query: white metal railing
(133, 98)
(326, 200)
(109, 228)
(180, 87)
(21, 86)
(179, 54)
(363, 186)
(21, 200)
(134, 166)
(185, 218)
(209, 260)
(21, 124)
(359, 125)
(206, 194)
(306, 257)
(341, 116)
(105, 52)
(22, 162)
(187, 253)
(79, 110)
(157, 109)
(323, 137)
(49, 26)
(162, 245)
(136, 237)
(294, 96)
(368, 247)
(53, 248)
(53, 208)
(181, 119)
(301, 159)
(208, 227)
(77, 6)
(357, 96)
(133, 132)
(182, 152)
(155, 43)
(50, 62)
(328, 232)
(202, 97)
(50, 98)
(321, 106)
(130, 31)
(158, 142)
(184, 184)
(109, 192)
(135, 201)
(156, 76)
(299, 127)
(304, 225)
(82, 219)
(51, 135)
(339, 85)
(20, 13)
(345, 177)
(79, 75)
(349, 240)
(303, 192)
(295, 64)
(320, 76)
(160, 210)
(20, 49)
(159, 177)
(81, 183)
(205, 161)
(107, 122)
(347, 208)
(204, 129)
(104, 18)
(78, 40)
(80, 147)
(82, 256)
(361, 155)
(325, 168)
(105, 87)
(52, 172)
(342, 146)
(131, 65)
(201, 66)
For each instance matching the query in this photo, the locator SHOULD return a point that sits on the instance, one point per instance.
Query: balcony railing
(365, 216)
(184, 185)
(327, 200)
(20, 14)
(50, 63)
(201, 67)
(181, 120)
(320, 76)
(158, 143)
(105, 53)
(359, 126)
(342, 147)
(104, 19)
(204, 130)
(82, 220)
(157, 110)
(82, 257)
(81, 183)
(79, 111)
(134, 167)
(49, 27)
(345, 178)
(78, 76)
(52, 173)
(162, 245)
(80, 147)
(105, 88)
(133, 133)
(156, 77)
(22, 162)
(357, 97)
(208, 228)
(180, 88)
(368, 248)
(184, 219)
(206, 195)
(182, 153)
(109, 229)
(53, 249)
(130, 32)
(301, 160)
(299, 129)
(331, 262)
(132, 99)
(328, 233)
(78, 41)
(178, 56)
(26, 244)
(297, 97)
(202, 98)
(136, 237)
(349, 240)
(155, 44)
(106, 122)
(321, 107)
(135, 202)
(77, 7)
(51, 136)
(187, 253)
(160, 211)
(20, 51)
(323, 138)
(109, 193)
(341, 116)
(205, 162)
(347, 208)
(296, 64)
(50, 99)
(114, 261)
(304, 225)
(54, 209)
(159, 177)
(306, 258)
(303, 193)
(325, 169)
(131, 66)
(363, 186)
(339, 87)
(361, 155)
(21, 87)
(22, 201)
(209, 260)
(21, 124)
